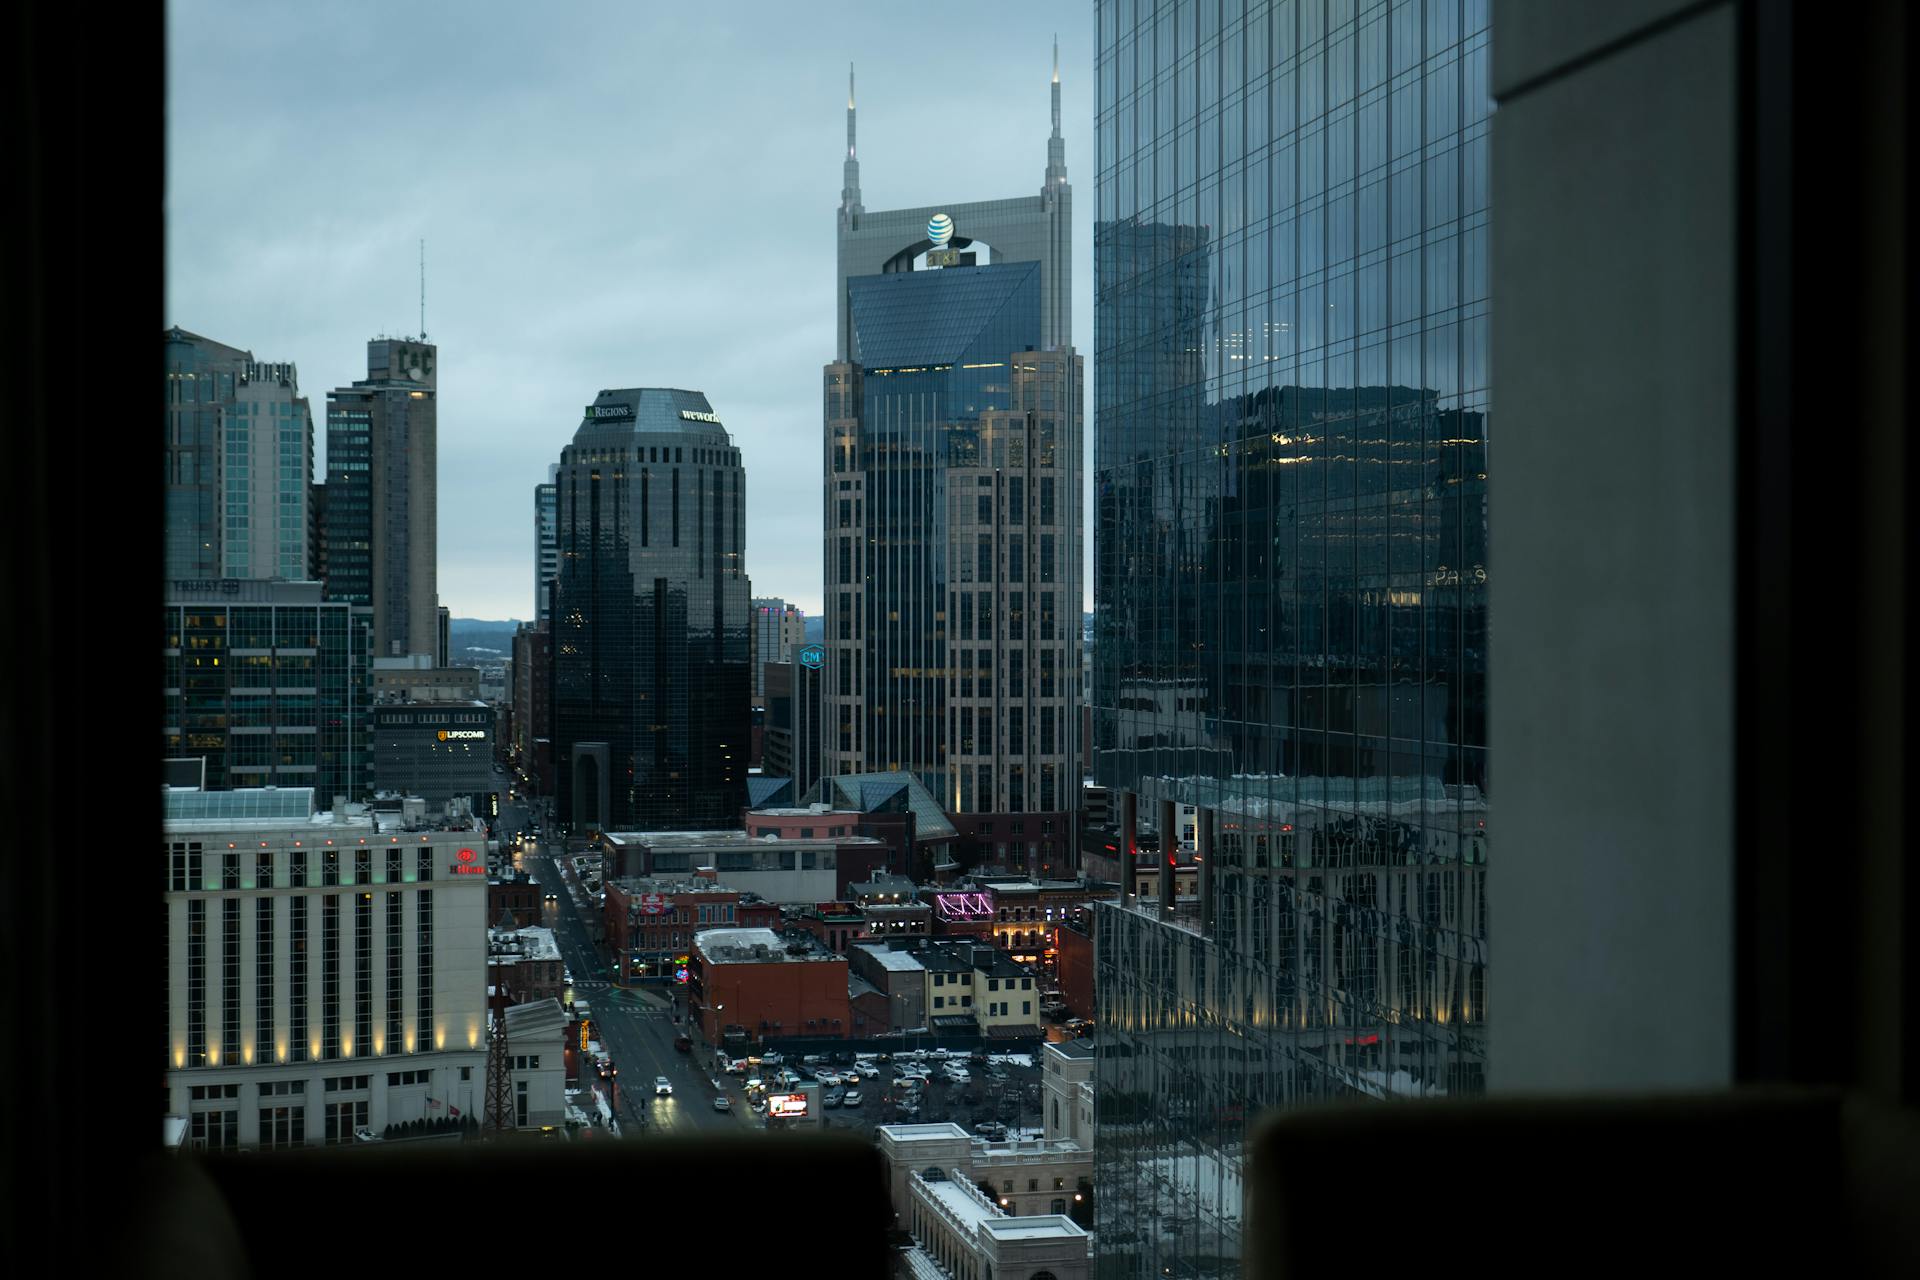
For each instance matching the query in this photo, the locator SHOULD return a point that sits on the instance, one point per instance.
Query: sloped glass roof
(867, 792)
(920, 318)
(282, 804)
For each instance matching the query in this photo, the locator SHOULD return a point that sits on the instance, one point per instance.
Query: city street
(634, 1029)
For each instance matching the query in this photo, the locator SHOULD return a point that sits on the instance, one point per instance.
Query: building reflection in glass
(1291, 585)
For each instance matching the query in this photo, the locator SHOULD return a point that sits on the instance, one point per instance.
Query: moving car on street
(662, 1087)
(723, 1103)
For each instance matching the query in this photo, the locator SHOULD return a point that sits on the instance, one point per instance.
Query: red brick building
(749, 985)
(518, 896)
(1074, 965)
(651, 922)
(833, 924)
(523, 965)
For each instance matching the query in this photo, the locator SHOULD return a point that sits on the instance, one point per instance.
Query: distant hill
(470, 639)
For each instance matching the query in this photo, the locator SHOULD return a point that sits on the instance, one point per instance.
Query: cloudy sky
(612, 194)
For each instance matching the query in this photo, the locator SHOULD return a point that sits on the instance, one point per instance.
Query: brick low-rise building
(833, 924)
(898, 977)
(1074, 967)
(523, 966)
(752, 985)
(518, 895)
(650, 922)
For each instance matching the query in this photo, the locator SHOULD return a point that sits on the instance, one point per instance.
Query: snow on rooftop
(891, 960)
(1039, 1226)
(1011, 1059)
(912, 1132)
(961, 1201)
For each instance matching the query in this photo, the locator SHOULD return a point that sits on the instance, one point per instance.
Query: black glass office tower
(270, 684)
(1290, 583)
(650, 624)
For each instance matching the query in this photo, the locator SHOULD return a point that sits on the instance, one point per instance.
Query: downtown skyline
(568, 247)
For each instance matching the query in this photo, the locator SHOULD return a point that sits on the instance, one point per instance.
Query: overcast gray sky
(612, 194)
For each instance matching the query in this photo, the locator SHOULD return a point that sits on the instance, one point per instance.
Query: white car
(662, 1087)
(852, 1099)
(828, 1078)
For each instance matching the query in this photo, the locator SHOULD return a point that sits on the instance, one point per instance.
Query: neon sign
(964, 906)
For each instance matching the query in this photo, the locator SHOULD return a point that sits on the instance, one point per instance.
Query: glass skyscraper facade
(650, 622)
(953, 551)
(270, 684)
(1290, 580)
(239, 463)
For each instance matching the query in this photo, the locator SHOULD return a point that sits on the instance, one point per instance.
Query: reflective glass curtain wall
(650, 625)
(1290, 604)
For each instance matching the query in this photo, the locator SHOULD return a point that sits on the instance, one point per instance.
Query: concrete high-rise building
(326, 973)
(270, 684)
(649, 628)
(382, 459)
(546, 540)
(953, 531)
(1290, 591)
(239, 463)
(779, 629)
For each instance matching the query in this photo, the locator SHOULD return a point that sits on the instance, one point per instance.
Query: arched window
(1042, 1275)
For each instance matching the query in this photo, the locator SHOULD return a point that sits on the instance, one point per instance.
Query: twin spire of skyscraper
(1056, 148)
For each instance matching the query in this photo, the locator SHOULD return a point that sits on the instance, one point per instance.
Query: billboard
(786, 1106)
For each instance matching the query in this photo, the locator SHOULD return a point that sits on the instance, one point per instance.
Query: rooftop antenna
(423, 289)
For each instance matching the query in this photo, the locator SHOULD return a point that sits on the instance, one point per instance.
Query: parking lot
(996, 1089)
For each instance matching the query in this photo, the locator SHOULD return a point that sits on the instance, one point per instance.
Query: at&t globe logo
(940, 230)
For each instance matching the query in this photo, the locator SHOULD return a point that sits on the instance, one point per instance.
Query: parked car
(978, 1057)
(834, 1098)
(852, 1099)
(854, 1076)
(828, 1078)
(683, 1043)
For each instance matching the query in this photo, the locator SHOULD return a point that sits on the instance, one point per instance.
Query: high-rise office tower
(779, 629)
(952, 558)
(649, 626)
(269, 684)
(546, 540)
(382, 451)
(1290, 583)
(1037, 228)
(239, 463)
